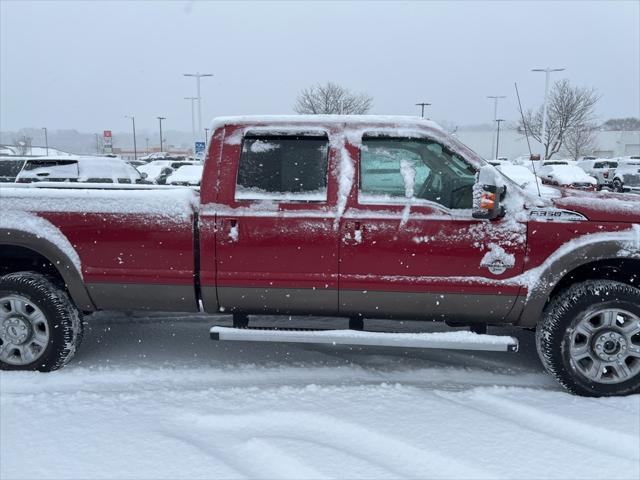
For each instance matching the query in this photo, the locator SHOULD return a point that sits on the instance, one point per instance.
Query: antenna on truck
(526, 134)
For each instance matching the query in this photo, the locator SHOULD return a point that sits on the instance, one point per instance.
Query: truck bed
(133, 247)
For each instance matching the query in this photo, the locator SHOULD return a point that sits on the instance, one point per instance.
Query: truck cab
(358, 218)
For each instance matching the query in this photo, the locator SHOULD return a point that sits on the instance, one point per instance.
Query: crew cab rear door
(410, 247)
(276, 244)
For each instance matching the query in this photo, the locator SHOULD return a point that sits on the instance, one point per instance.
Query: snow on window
(243, 193)
(414, 169)
(283, 168)
(260, 146)
(345, 177)
(408, 172)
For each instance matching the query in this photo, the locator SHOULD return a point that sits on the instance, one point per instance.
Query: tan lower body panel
(460, 308)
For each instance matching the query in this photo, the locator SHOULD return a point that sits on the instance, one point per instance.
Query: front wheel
(40, 328)
(617, 186)
(589, 338)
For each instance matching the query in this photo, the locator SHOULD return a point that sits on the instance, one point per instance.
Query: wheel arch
(602, 260)
(25, 251)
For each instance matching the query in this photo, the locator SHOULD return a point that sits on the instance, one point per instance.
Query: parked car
(626, 177)
(567, 176)
(288, 221)
(498, 162)
(136, 163)
(156, 172)
(600, 169)
(527, 180)
(10, 168)
(161, 156)
(78, 169)
(186, 175)
(47, 169)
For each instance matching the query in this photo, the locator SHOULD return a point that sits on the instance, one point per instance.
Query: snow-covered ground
(150, 396)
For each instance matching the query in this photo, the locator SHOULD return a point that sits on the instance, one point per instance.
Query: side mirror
(144, 175)
(488, 194)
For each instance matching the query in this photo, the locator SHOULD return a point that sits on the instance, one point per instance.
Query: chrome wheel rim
(605, 346)
(24, 332)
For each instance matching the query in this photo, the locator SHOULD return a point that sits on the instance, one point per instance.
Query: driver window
(393, 170)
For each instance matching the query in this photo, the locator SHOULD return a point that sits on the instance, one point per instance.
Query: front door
(276, 244)
(410, 245)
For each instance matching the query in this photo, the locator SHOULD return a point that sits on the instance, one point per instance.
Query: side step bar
(459, 340)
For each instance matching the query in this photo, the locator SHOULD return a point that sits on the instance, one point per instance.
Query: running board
(458, 340)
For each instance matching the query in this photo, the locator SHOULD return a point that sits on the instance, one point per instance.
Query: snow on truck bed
(168, 202)
(150, 396)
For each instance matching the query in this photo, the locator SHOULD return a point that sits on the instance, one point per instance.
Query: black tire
(617, 186)
(62, 318)
(553, 334)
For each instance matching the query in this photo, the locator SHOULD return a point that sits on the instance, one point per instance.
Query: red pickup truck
(360, 217)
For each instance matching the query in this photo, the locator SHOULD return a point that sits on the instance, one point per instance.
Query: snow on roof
(296, 120)
(33, 151)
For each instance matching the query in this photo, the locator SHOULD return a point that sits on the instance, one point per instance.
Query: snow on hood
(602, 206)
(567, 174)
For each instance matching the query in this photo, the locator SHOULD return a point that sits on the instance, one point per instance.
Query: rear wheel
(589, 338)
(40, 328)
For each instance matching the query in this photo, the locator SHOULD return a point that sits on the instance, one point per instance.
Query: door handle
(353, 236)
(233, 233)
(357, 233)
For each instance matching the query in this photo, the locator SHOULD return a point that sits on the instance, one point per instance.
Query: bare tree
(580, 141)
(332, 98)
(569, 109)
(23, 144)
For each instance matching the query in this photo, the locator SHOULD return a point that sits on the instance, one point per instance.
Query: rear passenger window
(283, 168)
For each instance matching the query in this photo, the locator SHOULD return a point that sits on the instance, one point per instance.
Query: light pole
(160, 120)
(198, 76)
(498, 121)
(422, 104)
(193, 122)
(544, 105)
(206, 135)
(147, 139)
(46, 140)
(495, 117)
(97, 144)
(135, 147)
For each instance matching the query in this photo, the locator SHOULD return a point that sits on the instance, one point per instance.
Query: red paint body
(308, 246)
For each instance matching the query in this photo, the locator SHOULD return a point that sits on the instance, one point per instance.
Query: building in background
(512, 144)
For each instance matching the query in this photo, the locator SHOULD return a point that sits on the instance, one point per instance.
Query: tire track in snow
(407, 460)
(267, 461)
(615, 444)
(356, 457)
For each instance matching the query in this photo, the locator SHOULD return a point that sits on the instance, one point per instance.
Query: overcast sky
(84, 65)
